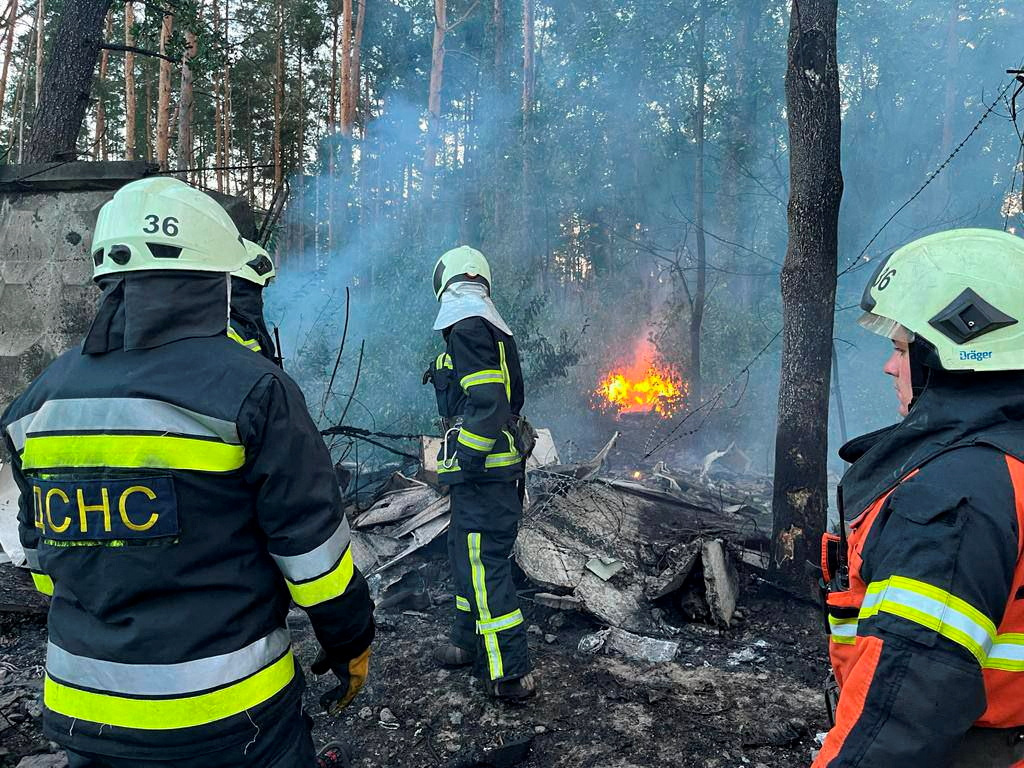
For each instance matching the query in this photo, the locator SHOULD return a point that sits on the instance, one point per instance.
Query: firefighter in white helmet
(925, 578)
(480, 396)
(248, 326)
(175, 499)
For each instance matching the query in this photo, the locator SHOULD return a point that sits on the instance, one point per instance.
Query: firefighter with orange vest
(924, 580)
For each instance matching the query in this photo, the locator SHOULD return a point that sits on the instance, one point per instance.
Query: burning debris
(645, 385)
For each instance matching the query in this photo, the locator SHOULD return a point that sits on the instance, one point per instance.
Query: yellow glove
(352, 675)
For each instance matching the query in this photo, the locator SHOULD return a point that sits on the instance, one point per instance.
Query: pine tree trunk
(67, 81)
(808, 292)
(332, 101)
(345, 86)
(434, 96)
(529, 54)
(228, 110)
(279, 97)
(129, 82)
(218, 110)
(8, 45)
(699, 295)
(148, 121)
(186, 106)
(357, 51)
(99, 147)
(40, 38)
(163, 108)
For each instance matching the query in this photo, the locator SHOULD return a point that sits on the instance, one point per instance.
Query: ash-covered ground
(746, 696)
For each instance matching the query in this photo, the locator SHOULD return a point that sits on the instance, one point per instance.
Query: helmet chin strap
(922, 362)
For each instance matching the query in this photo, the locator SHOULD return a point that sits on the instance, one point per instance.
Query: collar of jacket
(142, 310)
(247, 301)
(955, 410)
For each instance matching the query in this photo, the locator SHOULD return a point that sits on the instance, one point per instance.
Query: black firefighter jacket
(927, 632)
(176, 497)
(248, 326)
(479, 385)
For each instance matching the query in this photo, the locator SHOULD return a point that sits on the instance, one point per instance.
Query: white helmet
(163, 223)
(259, 269)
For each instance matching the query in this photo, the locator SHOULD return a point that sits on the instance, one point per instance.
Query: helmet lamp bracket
(968, 317)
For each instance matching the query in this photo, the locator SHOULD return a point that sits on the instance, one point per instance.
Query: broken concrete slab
(721, 582)
(371, 549)
(605, 568)
(558, 602)
(398, 505)
(10, 541)
(441, 506)
(641, 648)
(48, 760)
(422, 536)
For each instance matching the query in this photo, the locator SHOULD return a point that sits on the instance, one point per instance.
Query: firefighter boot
(517, 689)
(334, 755)
(451, 656)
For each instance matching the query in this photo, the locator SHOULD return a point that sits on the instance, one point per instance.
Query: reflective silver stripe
(932, 613)
(180, 679)
(318, 561)
(32, 557)
(508, 621)
(843, 627)
(1006, 652)
(122, 414)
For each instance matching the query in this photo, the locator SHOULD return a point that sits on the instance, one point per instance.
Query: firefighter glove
(351, 675)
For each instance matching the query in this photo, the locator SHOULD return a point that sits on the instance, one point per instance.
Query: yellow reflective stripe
(479, 579)
(326, 587)
(504, 371)
(253, 344)
(149, 451)
(462, 604)
(170, 714)
(482, 377)
(500, 624)
(443, 470)
(444, 360)
(43, 583)
(933, 608)
(476, 442)
(497, 460)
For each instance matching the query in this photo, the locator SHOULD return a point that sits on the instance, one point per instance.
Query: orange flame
(644, 386)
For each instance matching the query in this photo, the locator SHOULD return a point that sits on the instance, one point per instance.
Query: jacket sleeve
(939, 565)
(27, 530)
(299, 508)
(479, 368)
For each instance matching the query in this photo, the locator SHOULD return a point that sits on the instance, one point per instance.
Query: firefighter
(248, 326)
(925, 585)
(479, 388)
(175, 497)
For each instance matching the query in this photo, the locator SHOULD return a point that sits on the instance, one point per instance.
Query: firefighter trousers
(488, 621)
(285, 744)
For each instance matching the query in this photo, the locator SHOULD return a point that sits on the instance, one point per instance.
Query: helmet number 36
(883, 280)
(169, 225)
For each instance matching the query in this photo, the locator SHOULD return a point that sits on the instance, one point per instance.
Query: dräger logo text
(977, 356)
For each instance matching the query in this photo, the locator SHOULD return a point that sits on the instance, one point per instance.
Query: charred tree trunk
(699, 297)
(434, 98)
(129, 82)
(808, 292)
(163, 107)
(186, 106)
(67, 81)
(8, 45)
(332, 100)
